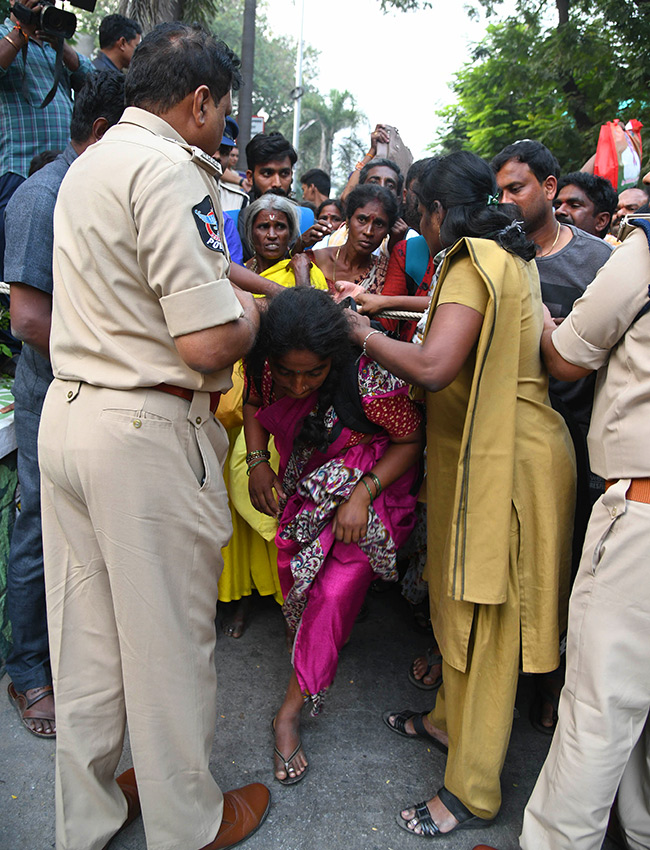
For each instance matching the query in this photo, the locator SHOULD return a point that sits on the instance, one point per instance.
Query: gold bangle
(12, 43)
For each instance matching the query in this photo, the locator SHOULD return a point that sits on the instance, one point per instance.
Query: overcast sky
(397, 65)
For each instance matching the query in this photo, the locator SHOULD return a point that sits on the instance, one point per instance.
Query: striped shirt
(26, 130)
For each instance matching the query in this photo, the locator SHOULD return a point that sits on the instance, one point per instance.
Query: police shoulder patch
(206, 222)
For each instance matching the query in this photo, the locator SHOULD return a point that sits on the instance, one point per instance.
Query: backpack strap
(416, 262)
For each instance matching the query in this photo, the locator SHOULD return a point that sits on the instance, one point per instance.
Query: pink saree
(324, 581)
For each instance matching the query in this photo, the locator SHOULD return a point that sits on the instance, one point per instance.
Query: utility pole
(298, 91)
(246, 90)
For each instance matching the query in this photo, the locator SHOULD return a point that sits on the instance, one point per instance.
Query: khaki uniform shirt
(139, 259)
(232, 197)
(600, 333)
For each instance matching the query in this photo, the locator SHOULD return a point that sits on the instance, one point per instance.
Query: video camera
(50, 20)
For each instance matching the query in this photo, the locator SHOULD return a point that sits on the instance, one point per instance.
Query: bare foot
(441, 815)
(287, 738)
(236, 627)
(436, 733)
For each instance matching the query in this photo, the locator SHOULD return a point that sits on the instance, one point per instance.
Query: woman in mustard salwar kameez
(501, 480)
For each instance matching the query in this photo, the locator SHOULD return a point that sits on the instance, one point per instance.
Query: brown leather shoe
(244, 811)
(129, 788)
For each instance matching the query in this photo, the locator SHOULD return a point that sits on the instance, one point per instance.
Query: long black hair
(464, 185)
(304, 319)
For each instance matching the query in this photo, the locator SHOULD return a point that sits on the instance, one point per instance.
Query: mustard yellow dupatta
(474, 446)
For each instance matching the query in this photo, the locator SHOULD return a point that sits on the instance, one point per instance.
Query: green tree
(404, 5)
(349, 150)
(553, 80)
(151, 12)
(331, 114)
(275, 58)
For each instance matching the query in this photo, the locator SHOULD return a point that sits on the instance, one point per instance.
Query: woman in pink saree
(349, 440)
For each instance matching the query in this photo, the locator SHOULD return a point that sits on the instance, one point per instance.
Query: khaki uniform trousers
(602, 740)
(135, 513)
(475, 708)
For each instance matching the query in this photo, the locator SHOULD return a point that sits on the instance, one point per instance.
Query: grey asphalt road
(360, 776)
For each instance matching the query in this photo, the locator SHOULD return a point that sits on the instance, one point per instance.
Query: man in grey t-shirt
(567, 258)
(28, 268)
(564, 276)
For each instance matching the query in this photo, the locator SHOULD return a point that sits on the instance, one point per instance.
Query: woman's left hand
(351, 519)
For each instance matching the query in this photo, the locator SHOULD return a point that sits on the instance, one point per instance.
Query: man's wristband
(11, 41)
(363, 162)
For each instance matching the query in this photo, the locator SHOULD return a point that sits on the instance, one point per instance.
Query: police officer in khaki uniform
(601, 745)
(145, 328)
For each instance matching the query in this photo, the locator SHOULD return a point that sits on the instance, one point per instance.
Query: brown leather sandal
(26, 710)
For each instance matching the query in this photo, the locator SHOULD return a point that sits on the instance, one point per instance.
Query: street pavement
(360, 774)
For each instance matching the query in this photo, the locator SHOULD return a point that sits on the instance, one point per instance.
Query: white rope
(4, 288)
(398, 314)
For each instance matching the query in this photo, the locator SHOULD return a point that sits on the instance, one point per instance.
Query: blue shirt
(103, 63)
(232, 240)
(26, 130)
(29, 233)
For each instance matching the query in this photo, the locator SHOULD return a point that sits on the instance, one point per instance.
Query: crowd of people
(439, 377)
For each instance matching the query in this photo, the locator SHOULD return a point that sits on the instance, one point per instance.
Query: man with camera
(27, 75)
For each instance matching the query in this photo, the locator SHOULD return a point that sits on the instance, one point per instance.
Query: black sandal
(398, 726)
(430, 829)
(433, 658)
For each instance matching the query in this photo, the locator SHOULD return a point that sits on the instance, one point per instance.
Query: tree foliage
(151, 12)
(556, 80)
(337, 111)
(404, 5)
(274, 79)
(323, 116)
